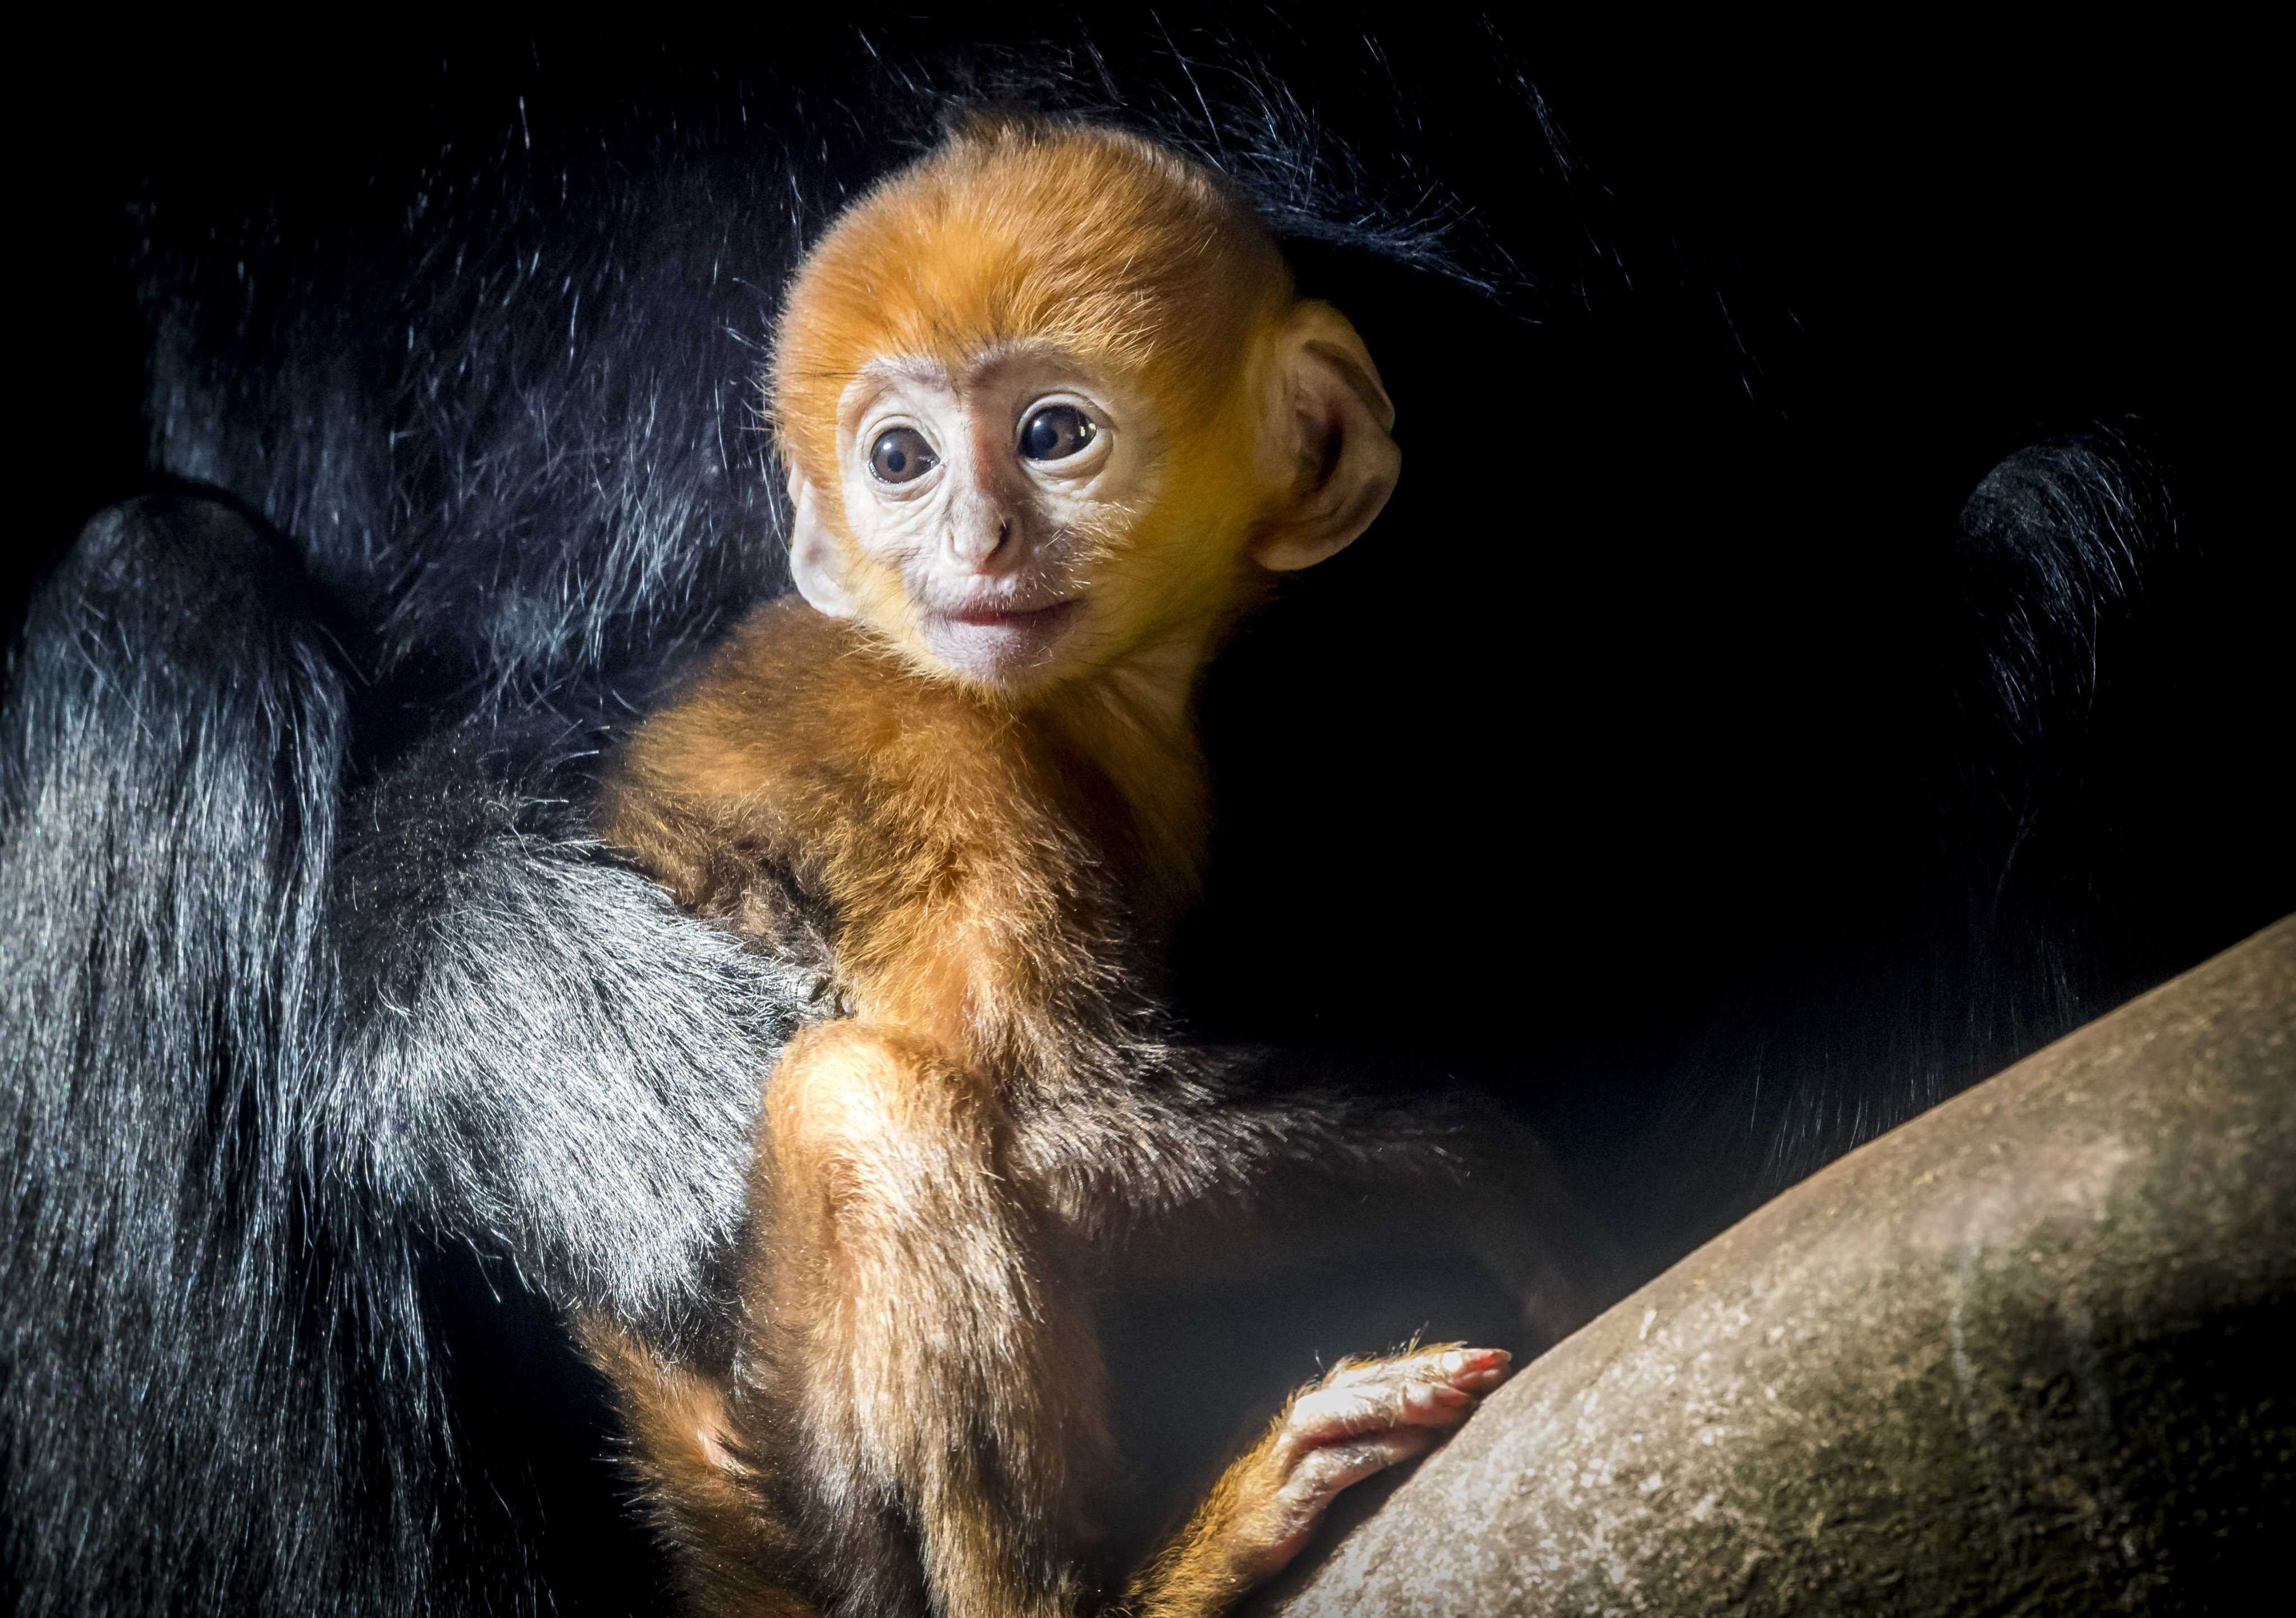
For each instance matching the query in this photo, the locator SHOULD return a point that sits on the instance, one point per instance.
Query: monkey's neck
(1137, 719)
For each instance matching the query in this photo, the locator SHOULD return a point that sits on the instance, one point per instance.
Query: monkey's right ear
(1328, 418)
(817, 560)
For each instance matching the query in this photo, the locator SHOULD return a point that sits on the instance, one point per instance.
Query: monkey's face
(1051, 406)
(995, 515)
(1033, 514)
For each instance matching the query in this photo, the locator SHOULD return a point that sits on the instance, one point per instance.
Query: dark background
(1642, 766)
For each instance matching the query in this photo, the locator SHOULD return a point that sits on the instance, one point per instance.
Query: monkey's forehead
(1103, 244)
(955, 274)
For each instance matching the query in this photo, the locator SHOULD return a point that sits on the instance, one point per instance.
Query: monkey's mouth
(998, 643)
(1013, 617)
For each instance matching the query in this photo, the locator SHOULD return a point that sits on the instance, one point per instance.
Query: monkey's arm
(1243, 1149)
(270, 1039)
(551, 1055)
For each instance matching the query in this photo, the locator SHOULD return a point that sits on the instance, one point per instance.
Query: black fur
(1733, 802)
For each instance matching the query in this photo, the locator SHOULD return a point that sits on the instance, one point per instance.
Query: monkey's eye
(1055, 432)
(901, 455)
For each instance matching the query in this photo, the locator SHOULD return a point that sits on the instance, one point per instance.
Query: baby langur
(1052, 414)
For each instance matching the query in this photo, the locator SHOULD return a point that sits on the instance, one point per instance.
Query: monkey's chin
(1008, 651)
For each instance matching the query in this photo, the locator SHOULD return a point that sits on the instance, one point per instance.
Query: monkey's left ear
(816, 563)
(1328, 416)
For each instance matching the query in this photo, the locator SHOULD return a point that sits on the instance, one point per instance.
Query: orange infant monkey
(1053, 414)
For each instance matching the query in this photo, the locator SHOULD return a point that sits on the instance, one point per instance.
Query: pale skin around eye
(972, 490)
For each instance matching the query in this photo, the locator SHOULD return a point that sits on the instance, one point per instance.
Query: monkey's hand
(1364, 1416)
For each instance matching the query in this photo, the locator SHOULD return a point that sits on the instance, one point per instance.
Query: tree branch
(2028, 1354)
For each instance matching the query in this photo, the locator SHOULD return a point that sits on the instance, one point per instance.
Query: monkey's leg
(909, 1328)
(1361, 1418)
(739, 1552)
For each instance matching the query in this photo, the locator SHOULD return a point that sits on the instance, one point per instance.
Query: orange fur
(980, 878)
(1018, 232)
(731, 1557)
(1118, 254)
(984, 868)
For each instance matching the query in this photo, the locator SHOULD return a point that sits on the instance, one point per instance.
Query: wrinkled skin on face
(1013, 520)
(999, 498)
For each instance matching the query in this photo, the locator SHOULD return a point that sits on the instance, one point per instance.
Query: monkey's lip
(991, 617)
(997, 643)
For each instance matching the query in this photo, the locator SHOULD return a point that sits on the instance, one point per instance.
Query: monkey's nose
(983, 547)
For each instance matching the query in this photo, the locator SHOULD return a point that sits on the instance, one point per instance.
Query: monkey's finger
(1421, 1383)
(1474, 1371)
(1478, 1369)
(1329, 1415)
